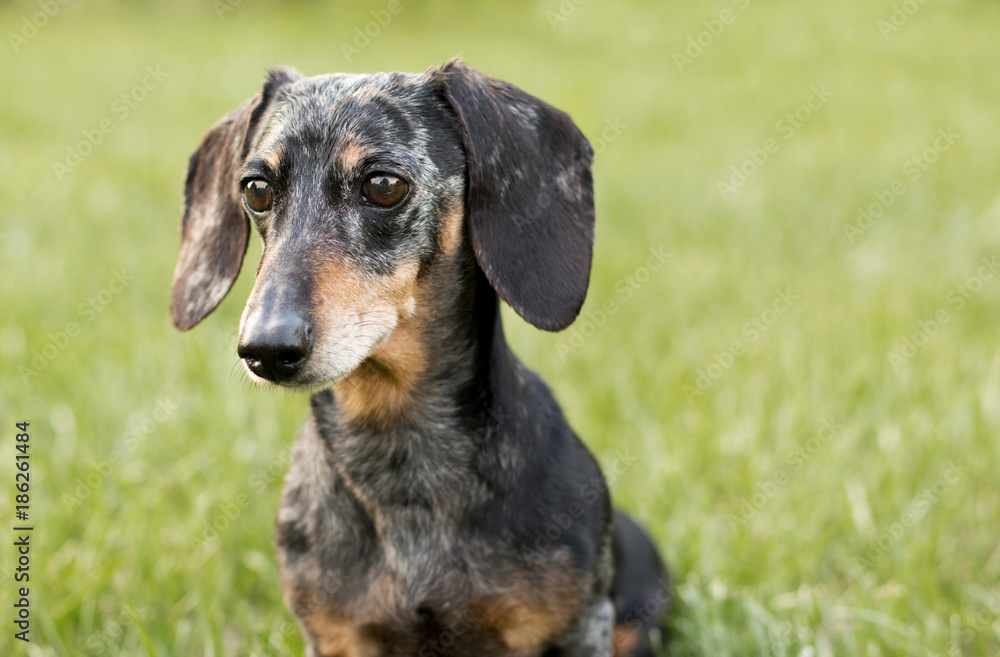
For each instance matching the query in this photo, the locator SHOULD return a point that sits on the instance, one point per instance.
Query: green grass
(121, 573)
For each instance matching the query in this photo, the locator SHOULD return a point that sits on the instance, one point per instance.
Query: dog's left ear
(530, 197)
(214, 230)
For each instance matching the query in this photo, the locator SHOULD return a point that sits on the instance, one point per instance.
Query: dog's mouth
(303, 384)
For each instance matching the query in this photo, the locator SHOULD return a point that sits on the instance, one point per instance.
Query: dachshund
(438, 502)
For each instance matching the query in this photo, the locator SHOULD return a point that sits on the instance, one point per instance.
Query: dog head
(355, 183)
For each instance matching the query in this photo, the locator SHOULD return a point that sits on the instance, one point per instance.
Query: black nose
(275, 347)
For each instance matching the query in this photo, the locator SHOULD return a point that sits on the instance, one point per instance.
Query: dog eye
(258, 195)
(384, 191)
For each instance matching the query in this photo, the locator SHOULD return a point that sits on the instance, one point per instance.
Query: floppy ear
(214, 229)
(530, 198)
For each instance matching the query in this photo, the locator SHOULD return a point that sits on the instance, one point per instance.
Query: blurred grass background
(820, 562)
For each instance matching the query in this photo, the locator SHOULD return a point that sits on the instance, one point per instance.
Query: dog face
(356, 184)
(348, 182)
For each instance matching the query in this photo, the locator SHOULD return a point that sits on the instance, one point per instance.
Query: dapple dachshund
(438, 502)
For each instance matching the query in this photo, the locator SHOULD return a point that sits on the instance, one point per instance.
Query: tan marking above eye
(273, 159)
(351, 156)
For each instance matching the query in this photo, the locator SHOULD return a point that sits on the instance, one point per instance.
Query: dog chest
(415, 589)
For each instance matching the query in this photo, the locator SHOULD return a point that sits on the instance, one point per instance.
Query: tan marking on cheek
(351, 156)
(453, 229)
(337, 636)
(380, 389)
(339, 289)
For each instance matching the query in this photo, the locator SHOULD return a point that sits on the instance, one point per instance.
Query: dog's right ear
(214, 229)
(529, 195)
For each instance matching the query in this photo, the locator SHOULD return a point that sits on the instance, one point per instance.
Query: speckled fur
(418, 513)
